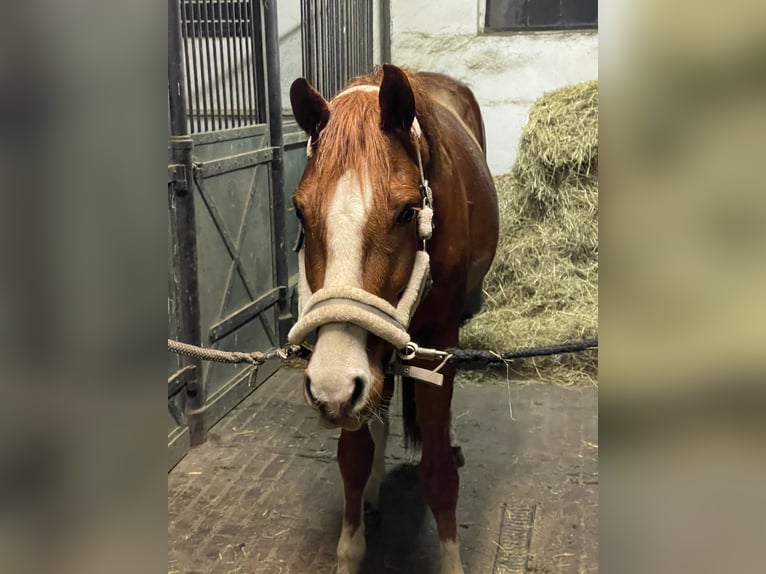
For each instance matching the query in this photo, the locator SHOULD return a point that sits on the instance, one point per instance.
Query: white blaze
(340, 353)
(346, 222)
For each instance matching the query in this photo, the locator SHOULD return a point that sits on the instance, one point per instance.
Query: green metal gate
(232, 275)
(236, 234)
(228, 284)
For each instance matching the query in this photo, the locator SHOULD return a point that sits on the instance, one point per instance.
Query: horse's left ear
(309, 107)
(397, 102)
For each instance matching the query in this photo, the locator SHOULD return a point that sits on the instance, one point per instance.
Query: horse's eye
(405, 216)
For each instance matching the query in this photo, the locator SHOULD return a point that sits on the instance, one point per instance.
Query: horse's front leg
(437, 471)
(355, 453)
(379, 431)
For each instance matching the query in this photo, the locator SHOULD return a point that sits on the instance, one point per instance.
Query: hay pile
(543, 285)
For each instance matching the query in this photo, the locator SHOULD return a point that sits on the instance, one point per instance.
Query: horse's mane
(352, 139)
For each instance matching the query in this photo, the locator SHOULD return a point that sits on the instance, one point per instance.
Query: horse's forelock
(353, 142)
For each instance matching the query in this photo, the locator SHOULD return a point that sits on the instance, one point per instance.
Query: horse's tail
(411, 431)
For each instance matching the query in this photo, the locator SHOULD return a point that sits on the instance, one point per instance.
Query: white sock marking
(351, 549)
(450, 558)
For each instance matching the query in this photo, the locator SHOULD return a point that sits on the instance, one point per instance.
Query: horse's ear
(397, 102)
(309, 107)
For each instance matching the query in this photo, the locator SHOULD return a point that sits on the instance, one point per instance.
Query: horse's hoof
(457, 454)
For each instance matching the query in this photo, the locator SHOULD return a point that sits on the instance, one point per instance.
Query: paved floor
(264, 495)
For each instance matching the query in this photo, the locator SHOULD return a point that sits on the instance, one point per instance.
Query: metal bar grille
(223, 45)
(191, 44)
(244, 69)
(217, 63)
(258, 59)
(206, 87)
(337, 42)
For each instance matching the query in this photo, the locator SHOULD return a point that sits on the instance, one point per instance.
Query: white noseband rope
(347, 304)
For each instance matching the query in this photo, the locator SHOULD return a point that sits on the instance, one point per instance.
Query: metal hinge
(177, 177)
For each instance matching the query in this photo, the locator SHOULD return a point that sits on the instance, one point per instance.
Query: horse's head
(357, 203)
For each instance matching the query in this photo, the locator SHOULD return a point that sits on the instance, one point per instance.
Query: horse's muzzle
(338, 413)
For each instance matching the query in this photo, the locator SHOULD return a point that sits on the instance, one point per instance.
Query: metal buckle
(419, 374)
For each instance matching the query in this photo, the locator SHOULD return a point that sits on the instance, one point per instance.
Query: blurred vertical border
(83, 286)
(682, 283)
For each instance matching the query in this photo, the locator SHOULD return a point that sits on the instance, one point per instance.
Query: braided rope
(255, 358)
(455, 356)
(470, 355)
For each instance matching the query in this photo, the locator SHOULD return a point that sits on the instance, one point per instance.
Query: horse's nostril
(309, 394)
(358, 390)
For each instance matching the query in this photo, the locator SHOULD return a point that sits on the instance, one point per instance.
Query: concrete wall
(507, 72)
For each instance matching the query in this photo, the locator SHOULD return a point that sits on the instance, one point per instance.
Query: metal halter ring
(409, 352)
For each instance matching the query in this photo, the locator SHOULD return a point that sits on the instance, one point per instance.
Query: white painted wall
(290, 53)
(507, 72)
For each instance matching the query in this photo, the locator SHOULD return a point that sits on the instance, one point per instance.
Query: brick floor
(264, 494)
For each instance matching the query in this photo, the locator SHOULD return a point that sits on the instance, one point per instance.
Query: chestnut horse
(376, 150)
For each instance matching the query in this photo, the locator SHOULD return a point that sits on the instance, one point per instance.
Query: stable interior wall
(507, 71)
